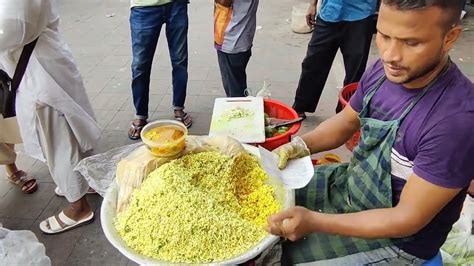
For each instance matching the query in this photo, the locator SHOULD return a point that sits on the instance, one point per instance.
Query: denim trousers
(383, 256)
(145, 26)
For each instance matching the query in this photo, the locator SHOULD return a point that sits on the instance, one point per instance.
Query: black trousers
(353, 38)
(234, 77)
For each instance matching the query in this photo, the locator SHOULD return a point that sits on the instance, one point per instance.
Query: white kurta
(51, 77)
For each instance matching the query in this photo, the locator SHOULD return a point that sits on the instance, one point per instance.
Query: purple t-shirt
(435, 141)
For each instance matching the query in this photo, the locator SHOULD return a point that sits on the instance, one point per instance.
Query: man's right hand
(293, 223)
(311, 15)
(292, 150)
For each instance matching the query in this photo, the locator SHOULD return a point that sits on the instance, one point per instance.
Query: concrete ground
(98, 34)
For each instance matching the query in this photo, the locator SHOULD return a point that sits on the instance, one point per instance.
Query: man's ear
(451, 37)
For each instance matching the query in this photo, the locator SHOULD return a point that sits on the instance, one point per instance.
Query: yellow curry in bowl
(164, 138)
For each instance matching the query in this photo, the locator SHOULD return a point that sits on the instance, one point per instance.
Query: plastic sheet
(99, 170)
(21, 248)
(132, 163)
(459, 246)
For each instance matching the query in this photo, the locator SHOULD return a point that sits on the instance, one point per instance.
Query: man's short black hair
(453, 8)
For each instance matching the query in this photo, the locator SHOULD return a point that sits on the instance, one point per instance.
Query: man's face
(411, 43)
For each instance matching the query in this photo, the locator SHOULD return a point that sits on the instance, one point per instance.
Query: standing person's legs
(177, 36)
(145, 26)
(355, 48)
(234, 77)
(9, 135)
(62, 153)
(21, 179)
(322, 49)
(7, 154)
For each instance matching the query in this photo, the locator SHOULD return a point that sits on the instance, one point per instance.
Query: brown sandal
(184, 118)
(24, 181)
(136, 128)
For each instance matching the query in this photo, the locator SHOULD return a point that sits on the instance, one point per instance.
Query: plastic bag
(459, 246)
(99, 170)
(131, 164)
(21, 248)
(225, 145)
(298, 19)
(263, 92)
(132, 170)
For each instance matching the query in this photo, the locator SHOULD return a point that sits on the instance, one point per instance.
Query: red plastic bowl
(344, 97)
(279, 110)
(346, 93)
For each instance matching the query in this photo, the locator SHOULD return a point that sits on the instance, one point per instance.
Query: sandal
(53, 225)
(302, 115)
(184, 118)
(23, 180)
(59, 193)
(136, 129)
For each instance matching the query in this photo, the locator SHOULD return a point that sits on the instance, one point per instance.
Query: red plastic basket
(344, 97)
(279, 110)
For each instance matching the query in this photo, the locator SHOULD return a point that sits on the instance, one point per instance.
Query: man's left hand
(293, 223)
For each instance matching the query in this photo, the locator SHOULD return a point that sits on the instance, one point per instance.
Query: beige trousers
(9, 135)
(62, 152)
(7, 154)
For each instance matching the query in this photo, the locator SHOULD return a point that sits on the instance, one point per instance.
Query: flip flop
(185, 118)
(55, 227)
(302, 115)
(59, 193)
(137, 129)
(22, 179)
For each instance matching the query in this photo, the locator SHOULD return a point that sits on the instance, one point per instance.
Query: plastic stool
(436, 261)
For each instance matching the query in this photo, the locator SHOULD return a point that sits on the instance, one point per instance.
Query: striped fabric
(401, 166)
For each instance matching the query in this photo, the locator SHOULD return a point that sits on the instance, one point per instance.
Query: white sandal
(55, 227)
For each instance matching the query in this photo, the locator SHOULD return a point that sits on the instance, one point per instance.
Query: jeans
(353, 38)
(145, 25)
(234, 77)
(382, 256)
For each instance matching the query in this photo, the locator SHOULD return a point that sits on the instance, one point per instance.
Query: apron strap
(370, 94)
(425, 91)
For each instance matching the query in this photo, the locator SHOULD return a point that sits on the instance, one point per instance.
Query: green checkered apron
(362, 184)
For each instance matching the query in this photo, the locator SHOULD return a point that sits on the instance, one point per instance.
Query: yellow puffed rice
(201, 208)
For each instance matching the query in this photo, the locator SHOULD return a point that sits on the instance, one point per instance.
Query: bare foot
(78, 210)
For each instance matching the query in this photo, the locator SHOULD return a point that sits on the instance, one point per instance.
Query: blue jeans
(145, 25)
(382, 256)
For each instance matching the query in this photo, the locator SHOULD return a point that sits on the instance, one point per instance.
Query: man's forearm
(419, 203)
(314, 2)
(371, 224)
(333, 132)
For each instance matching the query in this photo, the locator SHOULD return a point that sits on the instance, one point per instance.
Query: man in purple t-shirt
(431, 159)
